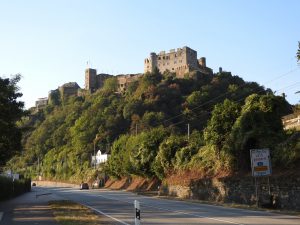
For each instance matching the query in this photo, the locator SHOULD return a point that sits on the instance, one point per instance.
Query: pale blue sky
(49, 42)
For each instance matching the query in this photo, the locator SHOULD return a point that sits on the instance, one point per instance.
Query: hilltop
(145, 129)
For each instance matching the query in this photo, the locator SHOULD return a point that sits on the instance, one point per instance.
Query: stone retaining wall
(284, 191)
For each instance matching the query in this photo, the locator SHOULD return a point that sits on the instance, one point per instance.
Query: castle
(179, 62)
(182, 61)
(94, 81)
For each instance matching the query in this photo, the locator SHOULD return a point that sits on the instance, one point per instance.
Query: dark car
(33, 184)
(84, 186)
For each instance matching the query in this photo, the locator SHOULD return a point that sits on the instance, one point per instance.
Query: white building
(100, 158)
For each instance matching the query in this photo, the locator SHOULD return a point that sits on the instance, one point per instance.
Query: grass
(71, 213)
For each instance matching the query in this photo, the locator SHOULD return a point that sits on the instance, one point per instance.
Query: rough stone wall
(125, 80)
(181, 61)
(284, 191)
(174, 61)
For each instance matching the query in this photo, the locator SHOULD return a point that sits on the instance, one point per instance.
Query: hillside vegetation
(145, 129)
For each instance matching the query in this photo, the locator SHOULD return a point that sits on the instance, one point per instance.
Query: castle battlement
(180, 61)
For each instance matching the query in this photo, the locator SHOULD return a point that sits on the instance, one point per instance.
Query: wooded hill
(145, 129)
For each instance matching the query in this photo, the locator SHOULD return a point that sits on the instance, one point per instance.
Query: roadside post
(261, 166)
(137, 219)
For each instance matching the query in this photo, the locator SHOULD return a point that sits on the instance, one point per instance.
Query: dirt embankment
(137, 184)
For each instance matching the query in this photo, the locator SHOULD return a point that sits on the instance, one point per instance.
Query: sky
(50, 42)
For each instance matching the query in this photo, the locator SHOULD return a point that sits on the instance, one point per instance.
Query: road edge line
(96, 210)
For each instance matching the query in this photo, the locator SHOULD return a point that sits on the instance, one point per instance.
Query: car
(84, 186)
(33, 184)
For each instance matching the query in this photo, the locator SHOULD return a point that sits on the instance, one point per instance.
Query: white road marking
(1, 215)
(120, 221)
(178, 212)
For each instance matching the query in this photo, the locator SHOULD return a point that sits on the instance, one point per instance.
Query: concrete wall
(54, 184)
(285, 191)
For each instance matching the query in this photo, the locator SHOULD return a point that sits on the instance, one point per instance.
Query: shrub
(10, 188)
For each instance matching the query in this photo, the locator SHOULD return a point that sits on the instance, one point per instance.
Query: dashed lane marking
(1, 215)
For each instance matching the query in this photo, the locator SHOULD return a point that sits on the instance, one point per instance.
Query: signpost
(261, 166)
(260, 162)
(137, 218)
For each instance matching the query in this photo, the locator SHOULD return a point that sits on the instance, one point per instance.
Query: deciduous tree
(11, 110)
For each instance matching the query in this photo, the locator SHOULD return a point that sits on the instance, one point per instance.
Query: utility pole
(136, 129)
(94, 160)
(38, 166)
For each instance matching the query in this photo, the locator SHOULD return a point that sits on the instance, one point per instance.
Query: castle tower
(150, 63)
(202, 61)
(153, 59)
(90, 79)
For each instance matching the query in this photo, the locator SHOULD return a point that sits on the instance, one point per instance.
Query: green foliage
(11, 111)
(54, 97)
(142, 156)
(144, 129)
(167, 150)
(110, 85)
(220, 124)
(259, 126)
(287, 154)
(185, 154)
(10, 188)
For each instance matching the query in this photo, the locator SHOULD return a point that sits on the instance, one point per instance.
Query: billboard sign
(260, 162)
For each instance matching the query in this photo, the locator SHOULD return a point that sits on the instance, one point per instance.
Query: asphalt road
(119, 206)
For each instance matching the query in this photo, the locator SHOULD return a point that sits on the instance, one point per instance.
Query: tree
(220, 124)
(11, 110)
(298, 53)
(258, 126)
(166, 153)
(110, 84)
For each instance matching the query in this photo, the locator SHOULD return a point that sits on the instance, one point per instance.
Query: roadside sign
(260, 162)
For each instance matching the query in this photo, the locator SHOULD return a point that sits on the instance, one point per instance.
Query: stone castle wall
(181, 61)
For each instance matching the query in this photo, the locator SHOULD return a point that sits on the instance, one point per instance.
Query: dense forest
(201, 124)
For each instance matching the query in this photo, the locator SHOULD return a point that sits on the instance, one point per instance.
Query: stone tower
(90, 79)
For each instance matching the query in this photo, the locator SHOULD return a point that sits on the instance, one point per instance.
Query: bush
(10, 188)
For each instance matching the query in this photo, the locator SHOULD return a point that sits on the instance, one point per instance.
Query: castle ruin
(94, 81)
(181, 61)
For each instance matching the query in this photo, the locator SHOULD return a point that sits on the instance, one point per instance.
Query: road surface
(119, 206)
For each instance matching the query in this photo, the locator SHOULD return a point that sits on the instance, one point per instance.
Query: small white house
(100, 158)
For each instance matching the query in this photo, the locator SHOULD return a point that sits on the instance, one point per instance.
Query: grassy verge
(71, 213)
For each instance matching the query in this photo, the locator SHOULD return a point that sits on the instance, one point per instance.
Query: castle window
(163, 57)
(159, 58)
(175, 55)
(172, 68)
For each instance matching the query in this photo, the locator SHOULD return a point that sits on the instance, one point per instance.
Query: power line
(228, 92)
(236, 101)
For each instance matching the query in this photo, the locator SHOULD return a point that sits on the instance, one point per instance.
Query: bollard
(137, 218)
